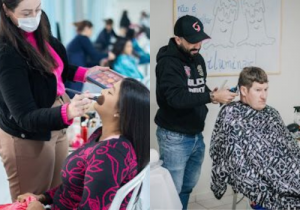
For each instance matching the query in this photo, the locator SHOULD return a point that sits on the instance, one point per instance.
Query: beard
(191, 53)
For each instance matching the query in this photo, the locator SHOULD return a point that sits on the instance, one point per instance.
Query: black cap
(190, 28)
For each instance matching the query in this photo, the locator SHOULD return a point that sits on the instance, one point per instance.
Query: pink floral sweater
(93, 173)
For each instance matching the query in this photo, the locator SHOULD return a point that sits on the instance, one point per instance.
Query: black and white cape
(254, 153)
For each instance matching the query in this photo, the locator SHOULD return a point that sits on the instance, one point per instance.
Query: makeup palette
(104, 78)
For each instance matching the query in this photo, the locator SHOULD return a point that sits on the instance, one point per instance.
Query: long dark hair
(134, 108)
(119, 46)
(11, 35)
(125, 22)
(118, 49)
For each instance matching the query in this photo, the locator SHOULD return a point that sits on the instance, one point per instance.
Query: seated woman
(125, 63)
(144, 58)
(115, 153)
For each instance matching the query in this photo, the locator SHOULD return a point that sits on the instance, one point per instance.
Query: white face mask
(30, 24)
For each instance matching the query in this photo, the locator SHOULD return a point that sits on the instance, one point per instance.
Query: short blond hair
(252, 74)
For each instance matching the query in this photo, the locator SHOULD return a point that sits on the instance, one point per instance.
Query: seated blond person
(253, 151)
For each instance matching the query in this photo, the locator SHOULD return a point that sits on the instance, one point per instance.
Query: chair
(135, 185)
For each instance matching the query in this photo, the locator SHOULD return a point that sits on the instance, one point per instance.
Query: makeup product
(105, 78)
(100, 100)
(95, 98)
(84, 131)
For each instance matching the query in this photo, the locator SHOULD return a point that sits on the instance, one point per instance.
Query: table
(163, 194)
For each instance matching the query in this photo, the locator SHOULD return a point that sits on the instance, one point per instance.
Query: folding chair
(135, 185)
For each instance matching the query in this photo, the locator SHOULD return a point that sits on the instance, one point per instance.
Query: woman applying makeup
(34, 109)
(114, 154)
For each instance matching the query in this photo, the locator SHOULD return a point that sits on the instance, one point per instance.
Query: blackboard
(243, 33)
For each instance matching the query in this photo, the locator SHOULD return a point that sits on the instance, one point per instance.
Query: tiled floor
(225, 204)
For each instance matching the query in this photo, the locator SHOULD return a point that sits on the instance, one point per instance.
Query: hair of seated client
(252, 74)
(134, 110)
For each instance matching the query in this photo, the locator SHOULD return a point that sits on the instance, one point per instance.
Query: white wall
(284, 88)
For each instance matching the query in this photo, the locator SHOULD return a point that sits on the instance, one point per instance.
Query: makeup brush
(98, 99)
(95, 98)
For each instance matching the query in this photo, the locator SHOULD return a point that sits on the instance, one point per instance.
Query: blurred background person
(144, 57)
(124, 23)
(106, 37)
(81, 51)
(145, 23)
(125, 63)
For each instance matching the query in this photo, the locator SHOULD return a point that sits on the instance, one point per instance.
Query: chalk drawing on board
(256, 24)
(243, 33)
(225, 14)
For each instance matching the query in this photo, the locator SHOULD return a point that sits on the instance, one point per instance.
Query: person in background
(81, 52)
(34, 108)
(124, 23)
(114, 154)
(125, 63)
(182, 95)
(145, 19)
(145, 23)
(106, 36)
(144, 58)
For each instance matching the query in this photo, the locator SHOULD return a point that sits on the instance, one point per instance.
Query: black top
(26, 96)
(181, 90)
(81, 52)
(104, 39)
(125, 22)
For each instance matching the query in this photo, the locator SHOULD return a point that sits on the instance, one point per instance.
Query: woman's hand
(104, 62)
(95, 69)
(79, 105)
(35, 205)
(111, 56)
(22, 198)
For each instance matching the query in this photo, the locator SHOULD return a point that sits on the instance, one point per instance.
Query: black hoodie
(181, 90)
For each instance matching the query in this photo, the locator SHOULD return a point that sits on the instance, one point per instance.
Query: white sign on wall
(243, 33)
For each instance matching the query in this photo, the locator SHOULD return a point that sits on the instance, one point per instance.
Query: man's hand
(35, 205)
(223, 96)
(212, 96)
